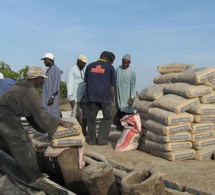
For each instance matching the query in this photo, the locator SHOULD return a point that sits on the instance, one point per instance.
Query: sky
(153, 32)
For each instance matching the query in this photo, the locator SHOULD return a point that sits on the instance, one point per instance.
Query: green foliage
(23, 73)
(7, 72)
(63, 91)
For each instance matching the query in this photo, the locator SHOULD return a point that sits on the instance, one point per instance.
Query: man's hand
(66, 124)
(72, 103)
(131, 101)
(51, 101)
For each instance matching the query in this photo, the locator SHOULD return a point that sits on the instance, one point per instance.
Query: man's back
(100, 76)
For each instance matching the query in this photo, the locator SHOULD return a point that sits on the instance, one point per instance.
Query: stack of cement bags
(67, 137)
(179, 123)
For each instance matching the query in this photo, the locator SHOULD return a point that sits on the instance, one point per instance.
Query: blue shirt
(99, 78)
(6, 84)
(51, 86)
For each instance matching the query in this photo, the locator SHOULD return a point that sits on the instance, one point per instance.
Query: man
(76, 92)
(125, 90)
(22, 100)
(100, 85)
(51, 86)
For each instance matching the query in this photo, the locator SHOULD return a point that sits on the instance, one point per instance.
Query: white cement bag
(205, 153)
(170, 118)
(185, 136)
(203, 143)
(130, 137)
(165, 78)
(66, 132)
(78, 140)
(172, 146)
(203, 135)
(204, 118)
(196, 75)
(188, 90)
(201, 127)
(143, 132)
(210, 82)
(142, 105)
(152, 92)
(175, 103)
(143, 115)
(144, 148)
(175, 155)
(202, 109)
(174, 67)
(162, 129)
(209, 98)
(143, 123)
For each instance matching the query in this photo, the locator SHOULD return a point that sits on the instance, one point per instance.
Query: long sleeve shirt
(24, 101)
(125, 88)
(52, 86)
(75, 77)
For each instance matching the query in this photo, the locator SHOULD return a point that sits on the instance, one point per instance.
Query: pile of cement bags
(67, 137)
(178, 113)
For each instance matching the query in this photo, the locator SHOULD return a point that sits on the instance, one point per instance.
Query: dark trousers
(18, 143)
(85, 113)
(105, 125)
(116, 121)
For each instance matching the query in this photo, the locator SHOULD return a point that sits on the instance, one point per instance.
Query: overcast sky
(153, 32)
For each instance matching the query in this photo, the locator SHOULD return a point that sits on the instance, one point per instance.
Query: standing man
(76, 92)
(125, 90)
(51, 86)
(100, 86)
(22, 100)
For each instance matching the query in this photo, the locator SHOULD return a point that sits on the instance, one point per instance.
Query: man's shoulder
(73, 68)
(119, 67)
(24, 85)
(92, 63)
(57, 68)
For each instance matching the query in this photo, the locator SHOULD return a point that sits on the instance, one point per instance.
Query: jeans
(106, 122)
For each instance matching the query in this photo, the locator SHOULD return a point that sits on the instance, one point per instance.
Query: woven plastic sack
(131, 134)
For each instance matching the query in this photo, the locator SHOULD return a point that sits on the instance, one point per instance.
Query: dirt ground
(197, 174)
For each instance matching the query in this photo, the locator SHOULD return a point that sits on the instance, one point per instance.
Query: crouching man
(22, 100)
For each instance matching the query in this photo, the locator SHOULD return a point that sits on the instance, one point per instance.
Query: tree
(7, 72)
(23, 73)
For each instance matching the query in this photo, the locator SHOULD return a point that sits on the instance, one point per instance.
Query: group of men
(22, 100)
(98, 87)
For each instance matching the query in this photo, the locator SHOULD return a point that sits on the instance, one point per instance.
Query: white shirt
(75, 77)
(1, 76)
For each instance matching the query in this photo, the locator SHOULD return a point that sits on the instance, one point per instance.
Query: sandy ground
(197, 174)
